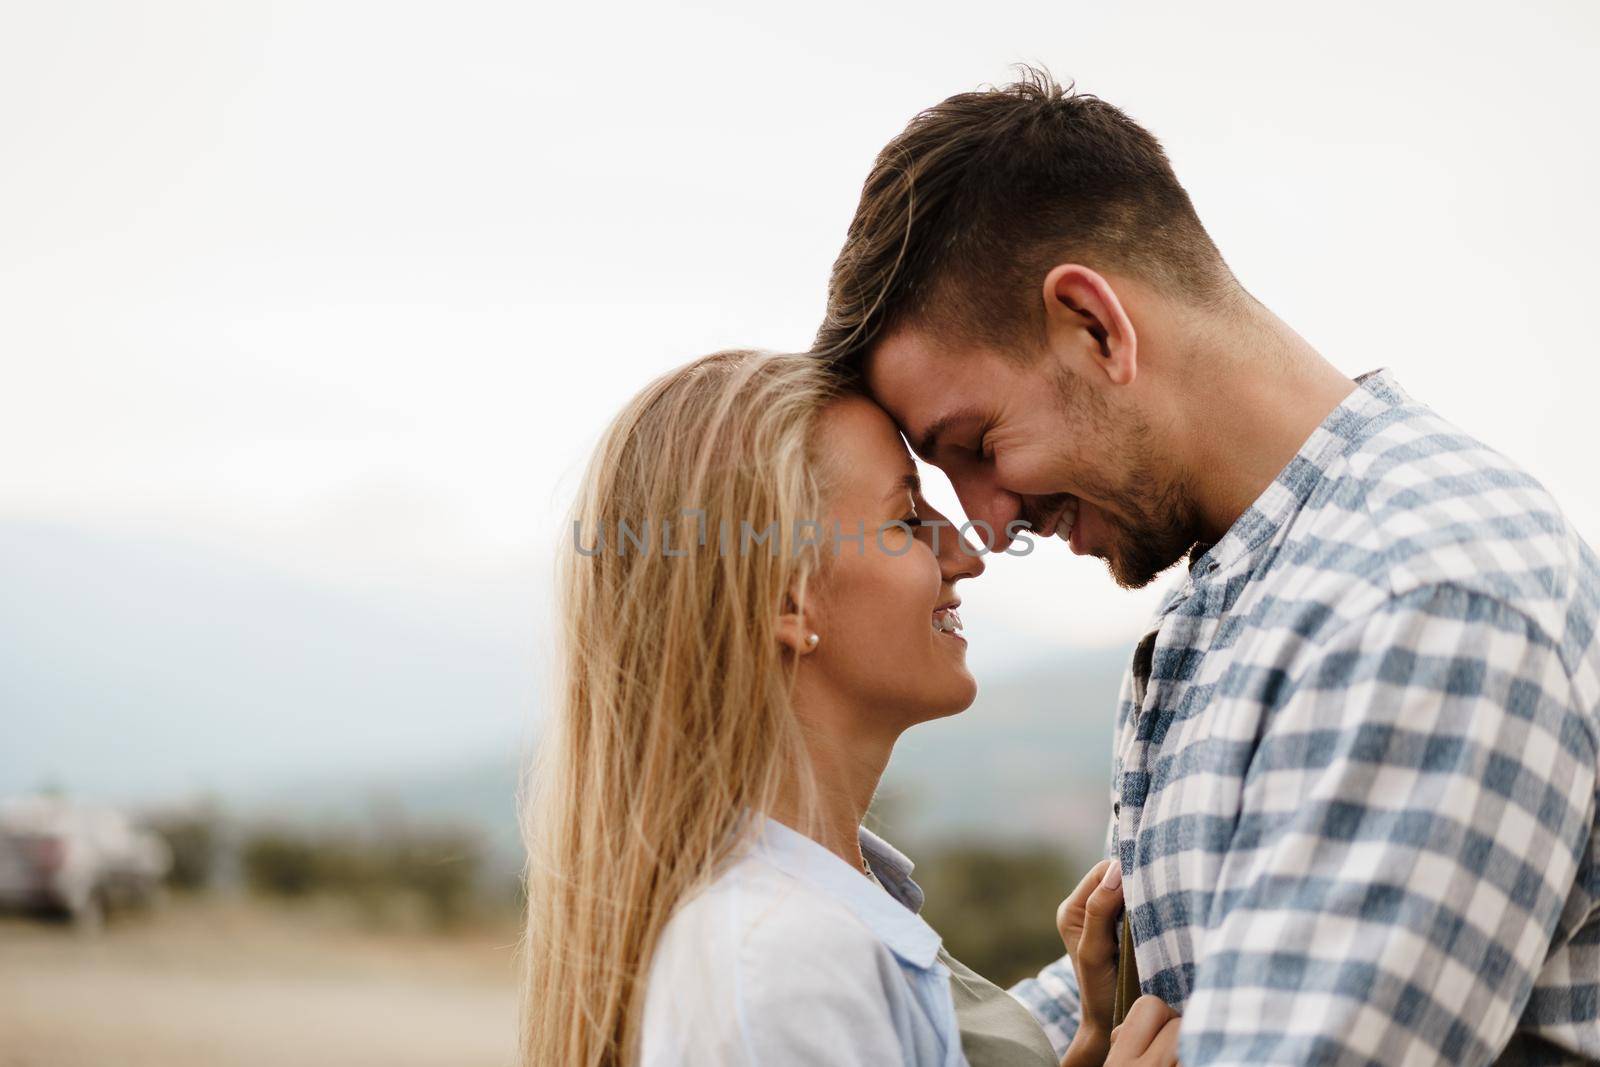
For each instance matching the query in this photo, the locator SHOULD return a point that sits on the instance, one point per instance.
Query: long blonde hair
(674, 715)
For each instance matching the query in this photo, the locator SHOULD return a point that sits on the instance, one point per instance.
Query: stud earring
(811, 640)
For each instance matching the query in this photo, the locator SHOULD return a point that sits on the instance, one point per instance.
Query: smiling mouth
(1061, 523)
(946, 621)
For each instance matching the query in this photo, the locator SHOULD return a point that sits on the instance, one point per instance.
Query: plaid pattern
(1354, 785)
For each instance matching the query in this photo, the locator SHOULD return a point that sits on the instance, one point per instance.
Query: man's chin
(1126, 580)
(1131, 572)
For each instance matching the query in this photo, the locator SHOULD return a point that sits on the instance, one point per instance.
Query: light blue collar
(889, 911)
(891, 868)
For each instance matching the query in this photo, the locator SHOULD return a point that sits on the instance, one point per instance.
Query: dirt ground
(231, 984)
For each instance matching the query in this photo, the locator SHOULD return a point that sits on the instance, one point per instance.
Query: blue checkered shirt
(1354, 781)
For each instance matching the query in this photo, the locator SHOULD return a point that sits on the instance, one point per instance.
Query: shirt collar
(887, 910)
(891, 868)
(1347, 426)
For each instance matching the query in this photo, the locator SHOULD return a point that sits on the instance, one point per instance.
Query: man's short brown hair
(966, 211)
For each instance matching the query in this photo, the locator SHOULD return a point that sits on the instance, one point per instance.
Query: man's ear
(1086, 325)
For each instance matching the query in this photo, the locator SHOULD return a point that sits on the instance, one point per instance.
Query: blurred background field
(259, 977)
(373, 919)
(238, 980)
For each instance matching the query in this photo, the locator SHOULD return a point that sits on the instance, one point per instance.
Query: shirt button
(1116, 808)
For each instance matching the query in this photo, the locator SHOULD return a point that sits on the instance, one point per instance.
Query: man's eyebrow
(925, 443)
(906, 483)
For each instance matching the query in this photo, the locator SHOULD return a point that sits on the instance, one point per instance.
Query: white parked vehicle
(82, 859)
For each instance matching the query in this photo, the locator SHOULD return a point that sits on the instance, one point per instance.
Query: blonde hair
(674, 716)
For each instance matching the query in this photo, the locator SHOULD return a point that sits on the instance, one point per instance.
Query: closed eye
(981, 449)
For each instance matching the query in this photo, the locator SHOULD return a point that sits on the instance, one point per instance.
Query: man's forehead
(905, 375)
(917, 383)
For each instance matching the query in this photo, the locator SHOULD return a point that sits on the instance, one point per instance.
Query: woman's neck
(847, 765)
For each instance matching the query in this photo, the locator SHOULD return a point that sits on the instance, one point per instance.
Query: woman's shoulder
(755, 912)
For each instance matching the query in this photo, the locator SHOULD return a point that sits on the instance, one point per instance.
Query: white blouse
(792, 958)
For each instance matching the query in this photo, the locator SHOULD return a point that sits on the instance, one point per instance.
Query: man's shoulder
(1420, 503)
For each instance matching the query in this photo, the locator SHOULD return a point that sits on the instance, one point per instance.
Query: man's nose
(987, 503)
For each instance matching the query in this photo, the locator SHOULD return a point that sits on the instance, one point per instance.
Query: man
(1354, 785)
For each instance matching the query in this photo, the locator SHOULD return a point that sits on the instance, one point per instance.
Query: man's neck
(1257, 393)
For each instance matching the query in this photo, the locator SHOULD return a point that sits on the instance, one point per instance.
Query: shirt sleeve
(1052, 998)
(1412, 822)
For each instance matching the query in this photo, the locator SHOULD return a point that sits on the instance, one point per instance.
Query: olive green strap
(1127, 975)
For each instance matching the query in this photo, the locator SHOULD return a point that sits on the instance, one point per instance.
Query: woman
(754, 611)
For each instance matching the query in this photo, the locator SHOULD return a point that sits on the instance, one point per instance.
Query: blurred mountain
(1031, 759)
(1028, 762)
(146, 668)
(135, 665)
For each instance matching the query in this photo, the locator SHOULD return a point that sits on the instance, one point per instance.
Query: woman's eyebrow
(908, 482)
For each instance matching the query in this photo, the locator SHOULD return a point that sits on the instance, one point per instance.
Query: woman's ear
(1087, 326)
(795, 631)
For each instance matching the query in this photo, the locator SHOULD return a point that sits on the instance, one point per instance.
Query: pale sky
(349, 289)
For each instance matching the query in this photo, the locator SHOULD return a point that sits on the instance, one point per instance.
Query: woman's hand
(1148, 1037)
(1088, 923)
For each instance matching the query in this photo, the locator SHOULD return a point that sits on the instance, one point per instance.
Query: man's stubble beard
(1153, 527)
